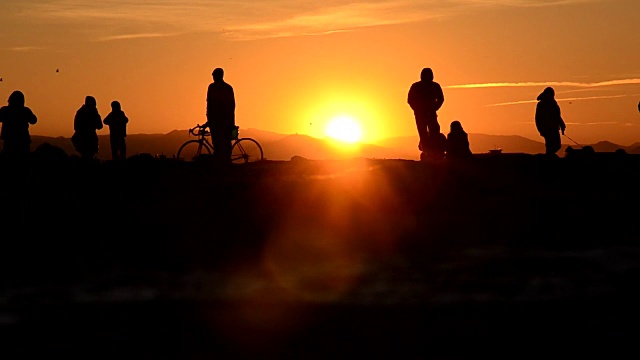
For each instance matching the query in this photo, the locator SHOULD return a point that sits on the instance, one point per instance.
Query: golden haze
(294, 70)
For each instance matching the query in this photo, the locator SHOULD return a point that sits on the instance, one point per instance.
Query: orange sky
(294, 65)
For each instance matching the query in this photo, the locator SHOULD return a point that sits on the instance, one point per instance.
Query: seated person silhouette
(457, 142)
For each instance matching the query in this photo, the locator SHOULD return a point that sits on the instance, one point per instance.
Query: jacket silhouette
(425, 98)
(457, 142)
(85, 124)
(117, 121)
(549, 121)
(15, 119)
(221, 107)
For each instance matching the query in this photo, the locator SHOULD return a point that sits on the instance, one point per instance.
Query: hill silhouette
(285, 146)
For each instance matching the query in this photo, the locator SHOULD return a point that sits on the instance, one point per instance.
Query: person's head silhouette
(547, 94)
(456, 126)
(16, 99)
(426, 74)
(115, 105)
(90, 101)
(217, 74)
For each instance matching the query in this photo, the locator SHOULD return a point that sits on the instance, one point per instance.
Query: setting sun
(344, 128)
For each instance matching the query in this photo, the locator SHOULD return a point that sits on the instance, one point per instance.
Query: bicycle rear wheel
(193, 150)
(246, 150)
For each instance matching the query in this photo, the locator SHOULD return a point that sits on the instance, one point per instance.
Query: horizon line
(364, 143)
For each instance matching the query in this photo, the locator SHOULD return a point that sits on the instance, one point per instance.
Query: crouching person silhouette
(435, 148)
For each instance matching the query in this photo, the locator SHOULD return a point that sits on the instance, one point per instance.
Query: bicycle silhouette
(243, 150)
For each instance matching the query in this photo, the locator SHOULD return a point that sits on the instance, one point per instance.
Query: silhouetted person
(85, 124)
(15, 119)
(117, 121)
(549, 121)
(638, 106)
(425, 98)
(457, 142)
(221, 107)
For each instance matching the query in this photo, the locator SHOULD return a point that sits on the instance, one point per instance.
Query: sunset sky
(295, 65)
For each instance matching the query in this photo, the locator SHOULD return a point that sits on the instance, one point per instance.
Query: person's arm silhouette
(439, 100)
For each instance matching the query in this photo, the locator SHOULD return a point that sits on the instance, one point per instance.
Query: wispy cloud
(586, 124)
(565, 99)
(132, 36)
(23, 48)
(525, 3)
(332, 19)
(597, 123)
(251, 19)
(549, 83)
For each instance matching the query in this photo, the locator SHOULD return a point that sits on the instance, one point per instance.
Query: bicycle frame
(243, 150)
(203, 136)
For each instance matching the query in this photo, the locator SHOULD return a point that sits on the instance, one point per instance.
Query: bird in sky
(57, 70)
(0, 79)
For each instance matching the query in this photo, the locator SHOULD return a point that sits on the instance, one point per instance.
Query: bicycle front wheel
(246, 150)
(193, 150)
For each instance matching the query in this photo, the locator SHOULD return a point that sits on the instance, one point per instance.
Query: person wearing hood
(458, 142)
(425, 98)
(549, 121)
(85, 124)
(117, 121)
(15, 119)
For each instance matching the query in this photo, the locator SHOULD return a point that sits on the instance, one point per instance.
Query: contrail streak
(566, 99)
(550, 83)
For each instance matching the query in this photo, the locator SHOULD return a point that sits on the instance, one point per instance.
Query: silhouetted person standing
(15, 119)
(221, 107)
(425, 98)
(457, 142)
(117, 122)
(86, 122)
(549, 121)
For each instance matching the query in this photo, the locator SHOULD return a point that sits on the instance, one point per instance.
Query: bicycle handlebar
(198, 130)
(201, 130)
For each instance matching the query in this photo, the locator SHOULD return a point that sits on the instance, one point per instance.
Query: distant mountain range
(284, 146)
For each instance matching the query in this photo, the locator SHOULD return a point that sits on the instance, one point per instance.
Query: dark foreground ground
(512, 256)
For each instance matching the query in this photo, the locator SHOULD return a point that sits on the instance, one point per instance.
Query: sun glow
(344, 128)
